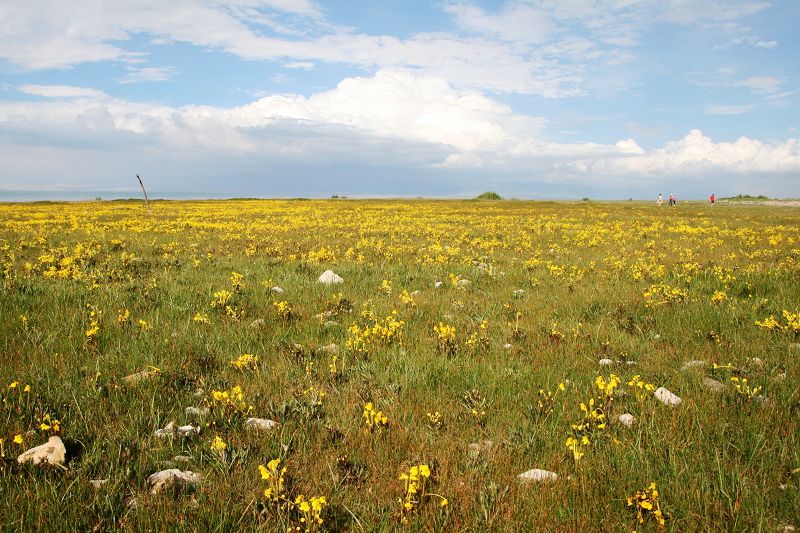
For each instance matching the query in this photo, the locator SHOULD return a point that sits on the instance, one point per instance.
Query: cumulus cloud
(392, 120)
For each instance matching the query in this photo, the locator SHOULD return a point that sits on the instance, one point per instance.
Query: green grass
(721, 462)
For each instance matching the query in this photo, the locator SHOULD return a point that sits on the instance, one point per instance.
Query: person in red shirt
(712, 198)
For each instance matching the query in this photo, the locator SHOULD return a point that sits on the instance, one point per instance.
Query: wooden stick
(146, 201)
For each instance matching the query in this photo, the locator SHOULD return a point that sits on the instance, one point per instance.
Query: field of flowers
(502, 366)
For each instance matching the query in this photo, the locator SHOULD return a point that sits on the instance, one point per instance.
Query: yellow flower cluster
(445, 338)
(791, 322)
(365, 339)
(373, 419)
(646, 503)
(245, 361)
(664, 294)
(414, 491)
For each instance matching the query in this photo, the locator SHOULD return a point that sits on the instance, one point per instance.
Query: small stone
(51, 452)
(627, 419)
(693, 364)
(198, 412)
(537, 475)
(188, 431)
(199, 393)
(182, 458)
(507, 346)
(666, 397)
(167, 431)
(329, 278)
(756, 361)
(414, 294)
(437, 284)
(656, 337)
(605, 362)
(261, 424)
(172, 478)
(331, 324)
(139, 376)
(330, 349)
(98, 483)
(276, 290)
(463, 282)
(762, 400)
(475, 449)
(713, 385)
(257, 323)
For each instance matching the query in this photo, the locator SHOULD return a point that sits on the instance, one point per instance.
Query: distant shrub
(585, 199)
(489, 195)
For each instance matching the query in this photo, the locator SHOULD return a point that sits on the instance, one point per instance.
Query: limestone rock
(257, 323)
(756, 361)
(437, 284)
(693, 364)
(666, 397)
(605, 362)
(330, 349)
(166, 431)
(51, 452)
(713, 385)
(627, 419)
(182, 458)
(198, 412)
(507, 346)
(260, 424)
(276, 290)
(329, 278)
(331, 324)
(98, 483)
(172, 479)
(139, 376)
(463, 282)
(188, 431)
(537, 475)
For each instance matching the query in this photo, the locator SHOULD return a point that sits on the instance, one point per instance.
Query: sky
(281, 98)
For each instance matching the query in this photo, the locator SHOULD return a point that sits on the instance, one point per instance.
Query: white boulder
(538, 475)
(51, 452)
(666, 397)
(172, 478)
(329, 277)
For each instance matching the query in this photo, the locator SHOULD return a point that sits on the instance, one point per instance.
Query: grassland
(94, 292)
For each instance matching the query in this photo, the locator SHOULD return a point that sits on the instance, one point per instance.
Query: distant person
(712, 198)
(671, 199)
(660, 199)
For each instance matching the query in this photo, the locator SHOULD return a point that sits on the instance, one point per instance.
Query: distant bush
(746, 197)
(585, 199)
(489, 195)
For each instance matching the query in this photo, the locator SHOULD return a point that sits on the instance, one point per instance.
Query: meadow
(468, 343)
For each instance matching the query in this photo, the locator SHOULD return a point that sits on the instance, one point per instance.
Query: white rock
(437, 284)
(537, 475)
(627, 419)
(666, 397)
(188, 431)
(51, 452)
(463, 282)
(276, 290)
(257, 323)
(199, 393)
(693, 364)
(98, 483)
(139, 376)
(756, 361)
(414, 294)
(713, 385)
(331, 349)
(196, 411)
(182, 458)
(507, 346)
(329, 278)
(261, 424)
(167, 431)
(172, 478)
(331, 324)
(605, 362)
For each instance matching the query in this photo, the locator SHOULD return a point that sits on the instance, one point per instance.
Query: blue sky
(541, 98)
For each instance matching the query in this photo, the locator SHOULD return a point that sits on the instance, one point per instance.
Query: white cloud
(516, 22)
(762, 84)
(145, 74)
(60, 91)
(728, 109)
(394, 119)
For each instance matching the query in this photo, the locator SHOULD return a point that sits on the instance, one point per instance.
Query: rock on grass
(666, 397)
(172, 478)
(537, 475)
(329, 277)
(51, 452)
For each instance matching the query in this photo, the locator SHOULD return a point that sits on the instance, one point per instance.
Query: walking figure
(712, 198)
(660, 199)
